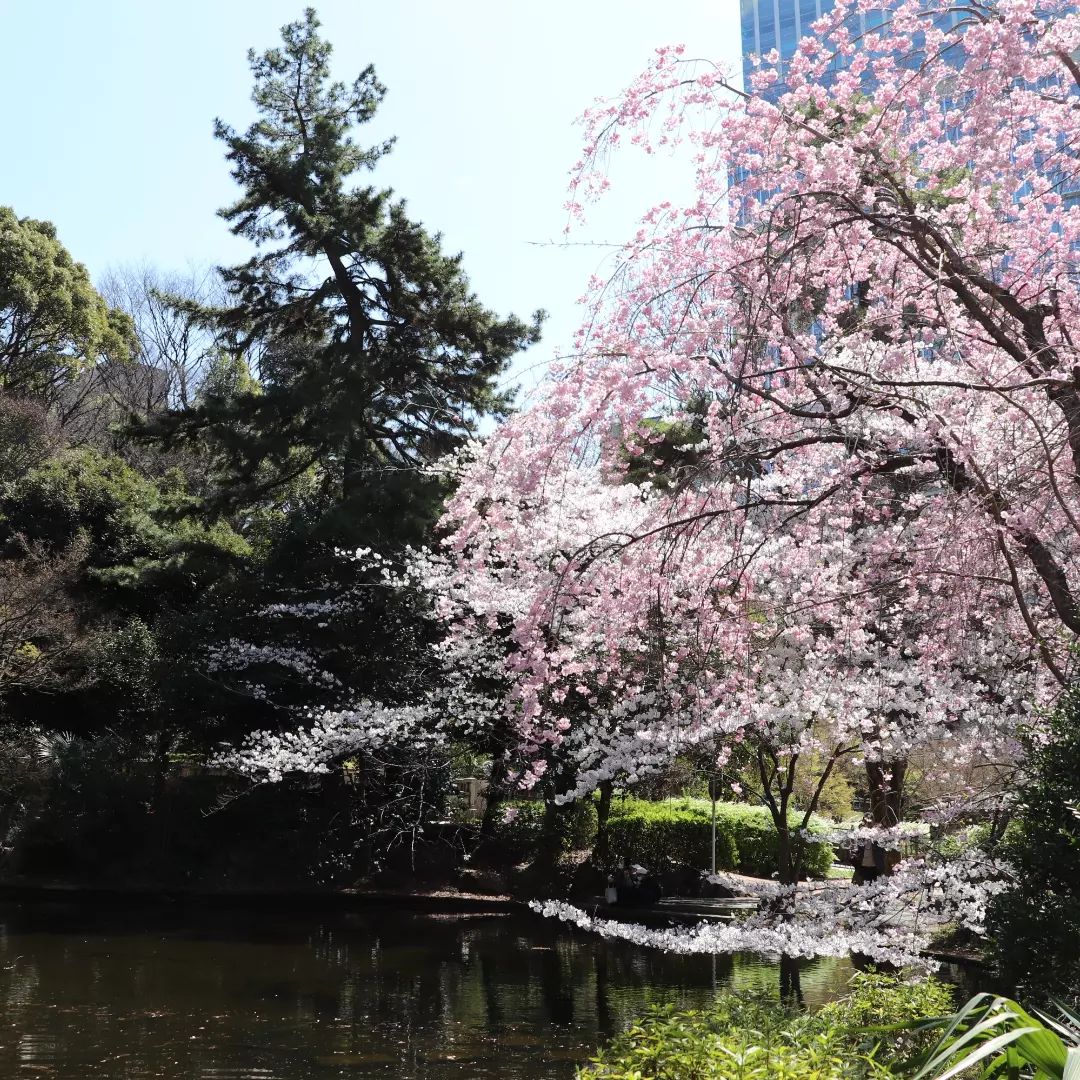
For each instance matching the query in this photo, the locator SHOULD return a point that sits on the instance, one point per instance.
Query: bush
(883, 1000)
(91, 814)
(653, 833)
(520, 826)
(757, 1038)
(746, 840)
(1035, 925)
(978, 837)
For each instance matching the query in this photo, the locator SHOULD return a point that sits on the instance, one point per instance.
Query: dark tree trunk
(886, 790)
(885, 783)
(550, 838)
(786, 869)
(162, 747)
(494, 797)
(602, 853)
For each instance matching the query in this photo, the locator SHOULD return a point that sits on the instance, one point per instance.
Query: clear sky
(110, 106)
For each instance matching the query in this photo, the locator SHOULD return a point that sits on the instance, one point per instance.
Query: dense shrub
(756, 1038)
(652, 833)
(1035, 925)
(97, 811)
(746, 840)
(91, 811)
(520, 826)
(656, 833)
(978, 837)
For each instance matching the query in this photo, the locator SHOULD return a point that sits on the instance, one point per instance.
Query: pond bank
(284, 898)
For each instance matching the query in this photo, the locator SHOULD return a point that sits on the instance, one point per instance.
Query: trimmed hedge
(651, 833)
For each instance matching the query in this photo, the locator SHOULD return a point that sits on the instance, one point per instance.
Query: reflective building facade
(780, 24)
(777, 24)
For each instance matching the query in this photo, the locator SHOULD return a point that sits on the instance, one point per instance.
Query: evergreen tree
(374, 357)
(1035, 924)
(371, 358)
(53, 322)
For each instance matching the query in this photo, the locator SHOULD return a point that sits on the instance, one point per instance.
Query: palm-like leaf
(994, 1037)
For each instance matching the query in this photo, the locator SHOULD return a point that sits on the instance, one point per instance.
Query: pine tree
(374, 356)
(373, 359)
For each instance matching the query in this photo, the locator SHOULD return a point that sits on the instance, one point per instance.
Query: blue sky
(111, 103)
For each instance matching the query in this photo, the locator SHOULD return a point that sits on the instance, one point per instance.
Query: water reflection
(220, 995)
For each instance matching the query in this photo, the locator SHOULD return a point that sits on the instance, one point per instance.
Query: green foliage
(1035, 925)
(757, 1038)
(123, 665)
(375, 356)
(346, 355)
(521, 824)
(53, 322)
(672, 453)
(228, 376)
(93, 813)
(123, 519)
(835, 798)
(147, 586)
(980, 836)
(737, 1040)
(370, 357)
(100, 810)
(880, 1000)
(81, 493)
(654, 833)
(995, 1037)
(681, 831)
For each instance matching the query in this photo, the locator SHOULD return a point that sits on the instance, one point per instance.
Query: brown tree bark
(885, 785)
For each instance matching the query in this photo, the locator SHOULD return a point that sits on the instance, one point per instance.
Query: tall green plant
(373, 359)
(994, 1037)
(754, 1037)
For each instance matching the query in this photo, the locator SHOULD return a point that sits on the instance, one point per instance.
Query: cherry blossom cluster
(330, 737)
(464, 699)
(810, 482)
(238, 655)
(869, 534)
(772, 937)
(890, 838)
(889, 920)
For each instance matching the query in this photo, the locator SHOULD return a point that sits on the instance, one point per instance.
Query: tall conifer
(374, 356)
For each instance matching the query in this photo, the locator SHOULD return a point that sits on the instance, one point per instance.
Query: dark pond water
(273, 996)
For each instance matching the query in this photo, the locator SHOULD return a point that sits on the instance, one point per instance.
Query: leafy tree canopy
(53, 322)
(123, 522)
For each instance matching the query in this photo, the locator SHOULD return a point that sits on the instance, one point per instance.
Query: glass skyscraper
(780, 24)
(777, 24)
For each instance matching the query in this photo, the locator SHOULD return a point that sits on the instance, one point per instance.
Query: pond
(171, 993)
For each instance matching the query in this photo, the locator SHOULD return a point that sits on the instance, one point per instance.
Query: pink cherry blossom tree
(866, 315)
